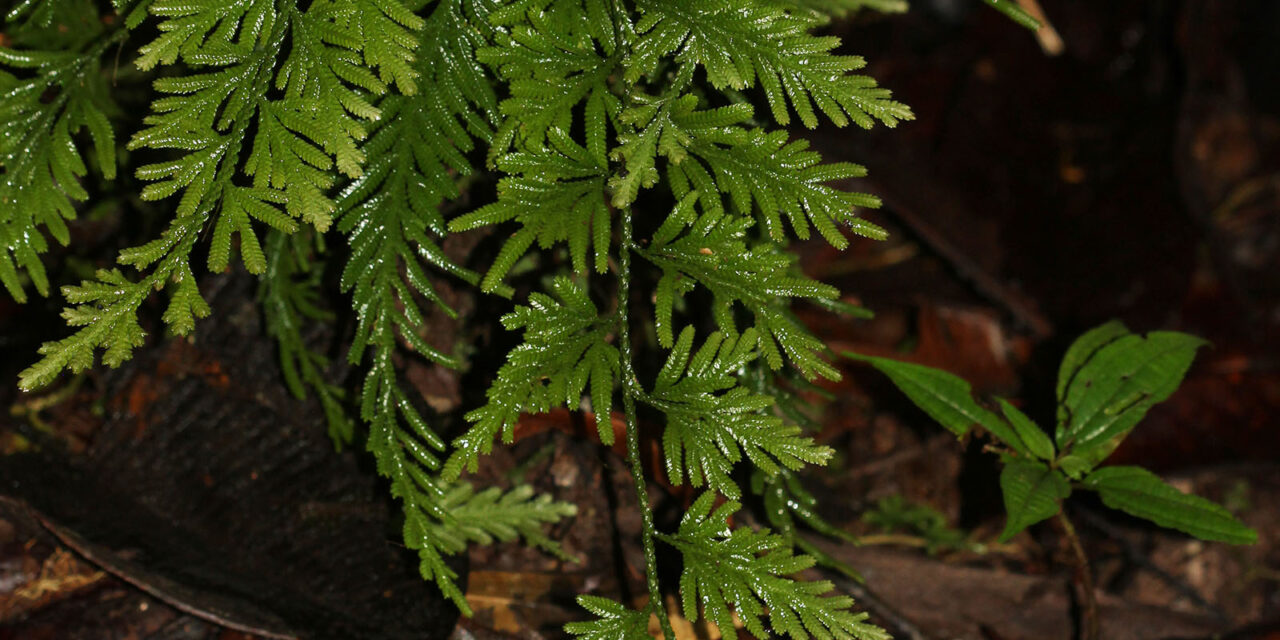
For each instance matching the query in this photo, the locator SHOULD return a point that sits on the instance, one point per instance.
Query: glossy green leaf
(947, 398)
(1081, 351)
(566, 353)
(1141, 493)
(1031, 439)
(1116, 386)
(1032, 492)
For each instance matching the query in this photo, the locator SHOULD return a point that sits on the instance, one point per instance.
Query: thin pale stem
(1089, 601)
(631, 389)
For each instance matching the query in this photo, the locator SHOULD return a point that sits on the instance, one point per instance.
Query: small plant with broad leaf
(1108, 380)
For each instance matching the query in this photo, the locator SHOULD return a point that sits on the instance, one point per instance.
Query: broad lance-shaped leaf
(1032, 492)
(745, 569)
(1115, 387)
(1032, 440)
(947, 398)
(1081, 351)
(1141, 493)
(613, 621)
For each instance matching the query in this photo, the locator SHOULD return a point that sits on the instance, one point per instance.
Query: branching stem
(630, 390)
(1089, 601)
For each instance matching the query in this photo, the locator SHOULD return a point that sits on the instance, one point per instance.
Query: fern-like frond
(780, 177)
(391, 212)
(391, 217)
(740, 46)
(746, 570)
(290, 297)
(716, 154)
(713, 253)
(207, 118)
(557, 194)
(613, 621)
(66, 91)
(494, 515)
(106, 309)
(712, 420)
(566, 348)
(304, 136)
(558, 54)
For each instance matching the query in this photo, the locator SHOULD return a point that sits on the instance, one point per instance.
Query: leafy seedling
(1107, 382)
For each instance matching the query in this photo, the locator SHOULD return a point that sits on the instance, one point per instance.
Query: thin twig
(1134, 554)
(1050, 41)
(1089, 599)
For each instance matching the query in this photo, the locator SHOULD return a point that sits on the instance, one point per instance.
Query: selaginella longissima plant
(633, 145)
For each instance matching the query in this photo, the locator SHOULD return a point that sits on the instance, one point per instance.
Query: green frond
(66, 92)
(613, 621)
(290, 296)
(759, 173)
(712, 420)
(405, 449)
(391, 217)
(713, 253)
(779, 177)
(341, 52)
(391, 212)
(106, 309)
(363, 118)
(560, 54)
(557, 195)
(565, 348)
(494, 515)
(741, 46)
(650, 133)
(745, 570)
